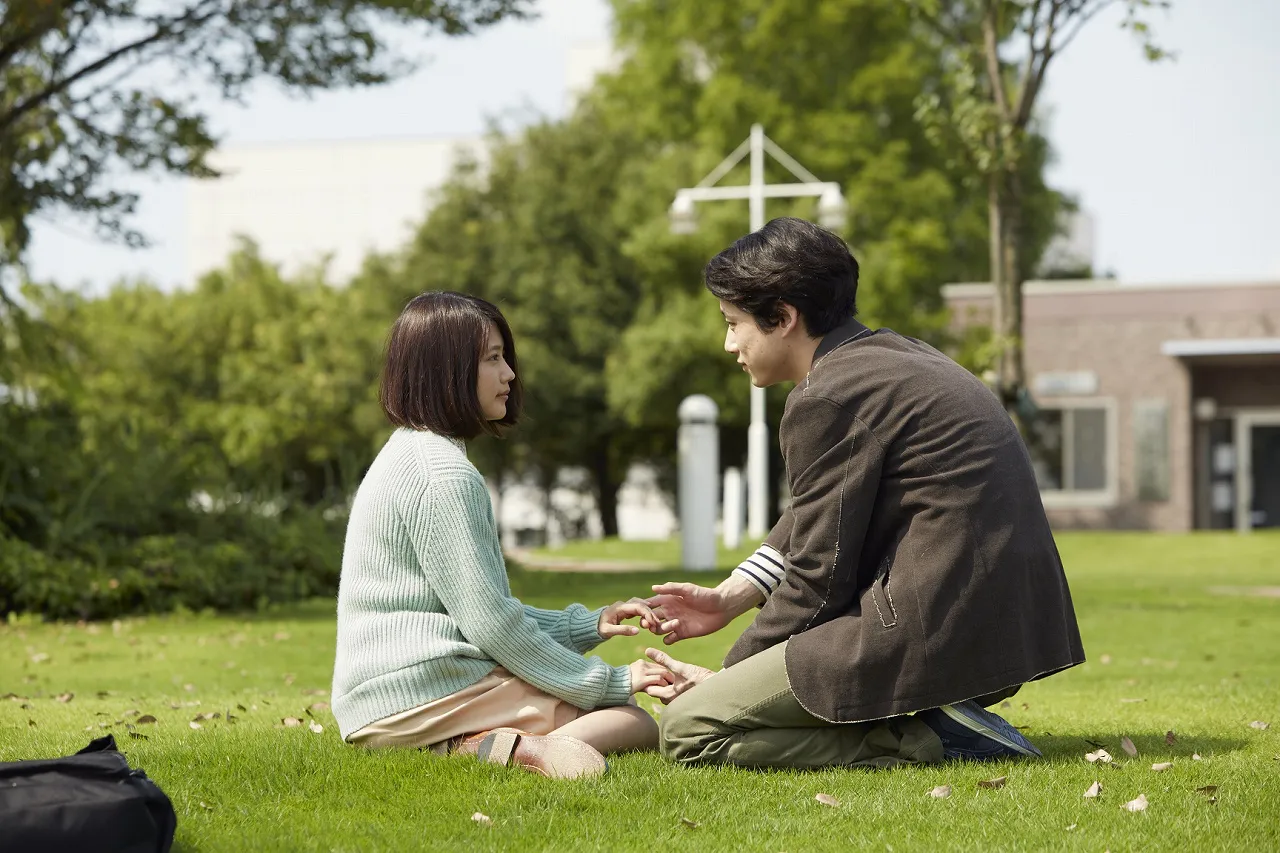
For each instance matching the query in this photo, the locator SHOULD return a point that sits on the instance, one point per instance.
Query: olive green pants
(747, 715)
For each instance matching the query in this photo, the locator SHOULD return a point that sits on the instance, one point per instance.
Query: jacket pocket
(881, 597)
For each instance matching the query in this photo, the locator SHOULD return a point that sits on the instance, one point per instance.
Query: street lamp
(832, 212)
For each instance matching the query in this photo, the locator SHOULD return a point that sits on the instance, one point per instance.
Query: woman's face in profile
(493, 384)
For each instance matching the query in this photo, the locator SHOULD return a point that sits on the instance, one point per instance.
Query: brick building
(1160, 404)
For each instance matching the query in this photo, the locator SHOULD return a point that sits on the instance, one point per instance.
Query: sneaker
(969, 731)
(553, 756)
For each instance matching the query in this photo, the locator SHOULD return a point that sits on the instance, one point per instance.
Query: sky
(1176, 162)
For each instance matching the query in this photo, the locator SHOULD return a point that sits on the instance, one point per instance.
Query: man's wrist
(737, 596)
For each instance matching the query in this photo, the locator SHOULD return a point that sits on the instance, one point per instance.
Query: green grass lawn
(1165, 654)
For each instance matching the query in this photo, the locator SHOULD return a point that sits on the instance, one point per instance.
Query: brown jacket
(920, 568)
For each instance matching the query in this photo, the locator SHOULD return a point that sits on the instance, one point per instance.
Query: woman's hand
(647, 676)
(681, 676)
(611, 619)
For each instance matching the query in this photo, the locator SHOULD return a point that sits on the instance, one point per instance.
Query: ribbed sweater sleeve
(452, 533)
(575, 627)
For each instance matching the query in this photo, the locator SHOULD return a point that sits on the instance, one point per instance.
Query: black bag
(90, 801)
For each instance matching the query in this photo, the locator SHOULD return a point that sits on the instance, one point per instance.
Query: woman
(433, 649)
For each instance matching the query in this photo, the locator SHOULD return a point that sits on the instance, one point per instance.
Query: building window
(1151, 449)
(1072, 451)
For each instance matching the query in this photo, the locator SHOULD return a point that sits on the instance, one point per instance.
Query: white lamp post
(831, 214)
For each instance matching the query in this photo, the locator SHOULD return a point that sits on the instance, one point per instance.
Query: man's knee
(687, 728)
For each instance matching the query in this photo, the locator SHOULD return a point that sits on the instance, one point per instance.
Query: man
(913, 579)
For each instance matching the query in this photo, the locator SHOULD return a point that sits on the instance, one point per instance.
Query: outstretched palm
(686, 610)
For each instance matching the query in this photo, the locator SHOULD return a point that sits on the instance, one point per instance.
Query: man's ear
(790, 320)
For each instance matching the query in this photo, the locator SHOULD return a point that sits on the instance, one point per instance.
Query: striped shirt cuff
(763, 570)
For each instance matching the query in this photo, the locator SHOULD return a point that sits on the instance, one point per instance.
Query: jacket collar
(847, 331)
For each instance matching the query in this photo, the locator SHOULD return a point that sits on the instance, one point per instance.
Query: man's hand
(682, 676)
(610, 624)
(685, 610)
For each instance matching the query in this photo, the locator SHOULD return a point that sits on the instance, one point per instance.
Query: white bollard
(732, 520)
(699, 468)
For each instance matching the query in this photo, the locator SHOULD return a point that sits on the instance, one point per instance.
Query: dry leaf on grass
(195, 725)
(1105, 659)
(1259, 725)
(66, 697)
(1195, 756)
(281, 635)
(1101, 755)
(689, 824)
(482, 819)
(206, 806)
(1170, 738)
(1071, 827)
(145, 718)
(242, 708)
(1095, 791)
(1138, 805)
(318, 706)
(1006, 704)
(1128, 747)
(316, 728)
(1161, 766)
(941, 791)
(828, 800)
(997, 782)
(1207, 790)
(290, 722)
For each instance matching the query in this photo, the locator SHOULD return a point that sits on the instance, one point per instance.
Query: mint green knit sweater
(424, 605)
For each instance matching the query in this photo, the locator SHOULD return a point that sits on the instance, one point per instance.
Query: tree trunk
(606, 488)
(1012, 382)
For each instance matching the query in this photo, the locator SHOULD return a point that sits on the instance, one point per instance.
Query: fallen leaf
(205, 716)
(1162, 766)
(941, 791)
(290, 722)
(318, 706)
(88, 728)
(282, 635)
(1170, 738)
(145, 718)
(691, 824)
(1026, 707)
(206, 806)
(1101, 755)
(26, 706)
(39, 657)
(1207, 790)
(482, 819)
(1071, 827)
(1195, 756)
(195, 725)
(827, 800)
(132, 712)
(290, 678)
(66, 697)
(1095, 790)
(1128, 747)
(175, 705)
(1138, 805)
(138, 736)
(242, 708)
(1259, 725)
(1004, 705)
(1104, 660)
(316, 728)
(997, 782)
(103, 694)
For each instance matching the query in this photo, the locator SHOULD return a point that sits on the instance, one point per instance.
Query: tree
(87, 86)
(833, 82)
(997, 53)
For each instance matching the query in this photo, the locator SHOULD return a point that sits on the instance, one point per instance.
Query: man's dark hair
(433, 362)
(792, 261)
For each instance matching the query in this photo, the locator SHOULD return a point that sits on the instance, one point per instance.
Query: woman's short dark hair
(433, 362)
(792, 261)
